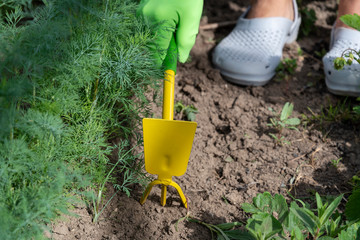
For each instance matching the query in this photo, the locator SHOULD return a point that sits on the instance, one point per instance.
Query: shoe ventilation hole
(329, 72)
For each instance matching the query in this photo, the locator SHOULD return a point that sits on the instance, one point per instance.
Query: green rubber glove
(173, 18)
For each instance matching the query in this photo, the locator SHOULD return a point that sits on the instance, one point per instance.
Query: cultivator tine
(163, 195)
(180, 192)
(164, 183)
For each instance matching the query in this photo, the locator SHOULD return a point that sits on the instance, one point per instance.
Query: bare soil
(233, 156)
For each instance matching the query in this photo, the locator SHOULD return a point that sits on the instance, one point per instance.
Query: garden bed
(234, 156)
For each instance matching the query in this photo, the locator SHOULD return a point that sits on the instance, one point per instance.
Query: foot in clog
(250, 54)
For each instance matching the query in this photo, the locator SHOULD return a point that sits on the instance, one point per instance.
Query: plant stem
(97, 204)
(97, 214)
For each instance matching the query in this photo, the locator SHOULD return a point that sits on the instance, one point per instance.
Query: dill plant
(73, 76)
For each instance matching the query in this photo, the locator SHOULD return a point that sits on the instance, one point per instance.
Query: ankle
(271, 8)
(347, 7)
(340, 23)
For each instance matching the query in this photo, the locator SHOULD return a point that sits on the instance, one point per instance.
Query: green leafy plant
(352, 232)
(352, 210)
(263, 224)
(355, 181)
(308, 19)
(321, 53)
(282, 121)
(222, 231)
(189, 111)
(325, 221)
(356, 109)
(68, 90)
(342, 111)
(272, 217)
(335, 162)
(351, 20)
(285, 69)
(279, 140)
(352, 206)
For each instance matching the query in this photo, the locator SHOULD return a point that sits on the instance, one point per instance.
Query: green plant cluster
(285, 69)
(73, 76)
(189, 111)
(308, 19)
(282, 121)
(273, 218)
(345, 111)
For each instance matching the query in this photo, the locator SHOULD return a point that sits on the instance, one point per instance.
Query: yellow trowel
(167, 142)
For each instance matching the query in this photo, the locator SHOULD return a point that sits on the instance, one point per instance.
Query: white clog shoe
(250, 54)
(346, 81)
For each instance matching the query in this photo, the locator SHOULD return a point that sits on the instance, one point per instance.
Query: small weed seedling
(272, 217)
(356, 109)
(280, 140)
(342, 111)
(321, 53)
(189, 111)
(279, 122)
(308, 19)
(285, 69)
(335, 162)
(352, 207)
(355, 181)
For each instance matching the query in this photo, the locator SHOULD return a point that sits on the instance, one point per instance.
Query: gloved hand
(179, 18)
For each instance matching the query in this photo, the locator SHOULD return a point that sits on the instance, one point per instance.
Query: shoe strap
(344, 33)
(293, 26)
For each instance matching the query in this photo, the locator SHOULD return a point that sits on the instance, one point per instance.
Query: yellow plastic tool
(167, 144)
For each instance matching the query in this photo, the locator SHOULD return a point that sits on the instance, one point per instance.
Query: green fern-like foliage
(73, 76)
